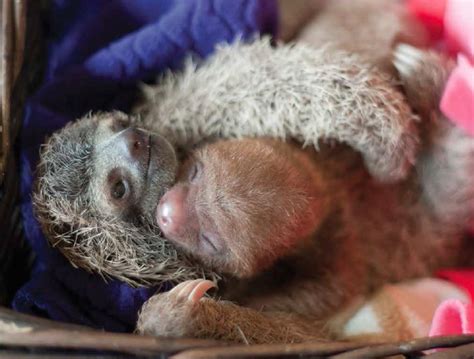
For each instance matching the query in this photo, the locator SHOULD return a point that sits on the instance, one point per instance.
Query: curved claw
(193, 289)
(406, 58)
(188, 288)
(200, 289)
(179, 287)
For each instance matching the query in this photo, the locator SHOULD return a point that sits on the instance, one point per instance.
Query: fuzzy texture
(446, 158)
(289, 91)
(368, 235)
(183, 313)
(240, 193)
(88, 237)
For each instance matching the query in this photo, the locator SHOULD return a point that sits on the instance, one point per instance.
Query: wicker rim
(24, 331)
(20, 74)
(13, 45)
(20, 331)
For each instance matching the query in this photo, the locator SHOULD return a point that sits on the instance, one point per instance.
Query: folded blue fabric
(97, 51)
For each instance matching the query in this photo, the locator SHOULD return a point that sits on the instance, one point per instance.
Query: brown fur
(232, 197)
(364, 233)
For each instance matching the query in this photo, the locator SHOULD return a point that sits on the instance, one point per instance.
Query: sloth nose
(137, 142)
(171, 212)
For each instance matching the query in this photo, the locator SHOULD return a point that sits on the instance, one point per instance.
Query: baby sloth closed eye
(239, 205)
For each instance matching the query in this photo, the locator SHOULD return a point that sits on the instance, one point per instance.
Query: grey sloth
(100, 179)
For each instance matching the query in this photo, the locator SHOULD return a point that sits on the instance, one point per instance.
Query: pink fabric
(453, 317)
(458, 97)
(430, 13)
(463, 278)
(451, 23)
(459, 26)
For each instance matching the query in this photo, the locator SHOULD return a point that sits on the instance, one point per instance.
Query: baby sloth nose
(137, 143)
(171, 212)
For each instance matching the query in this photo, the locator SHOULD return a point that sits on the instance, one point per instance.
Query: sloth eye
(119, 189)
(194, 171)
(208, 241)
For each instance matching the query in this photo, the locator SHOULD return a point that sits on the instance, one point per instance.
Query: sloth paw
(406, 58)
(423, 75)
(175, 313)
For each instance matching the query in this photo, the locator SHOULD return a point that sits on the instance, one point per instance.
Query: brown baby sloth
(298, 234)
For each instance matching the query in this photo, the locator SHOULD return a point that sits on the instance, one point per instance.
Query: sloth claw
(194, 290)
(178, 288)
(200, 289)
(406, 58)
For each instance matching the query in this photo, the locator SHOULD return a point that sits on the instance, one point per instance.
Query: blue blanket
(97, 51)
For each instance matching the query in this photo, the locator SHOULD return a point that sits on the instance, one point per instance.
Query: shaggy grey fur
(291, 91)
(91, 239)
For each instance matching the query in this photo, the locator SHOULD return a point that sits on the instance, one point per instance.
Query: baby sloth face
(239, 205)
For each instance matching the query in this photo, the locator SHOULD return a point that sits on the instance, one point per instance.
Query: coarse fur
(446, 158)
(90, 237)
(364, 233)
(288, 91)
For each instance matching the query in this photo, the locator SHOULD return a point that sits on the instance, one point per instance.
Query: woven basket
(28, 336)
(20, 70)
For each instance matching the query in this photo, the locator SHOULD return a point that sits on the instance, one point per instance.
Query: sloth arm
(183, 313)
